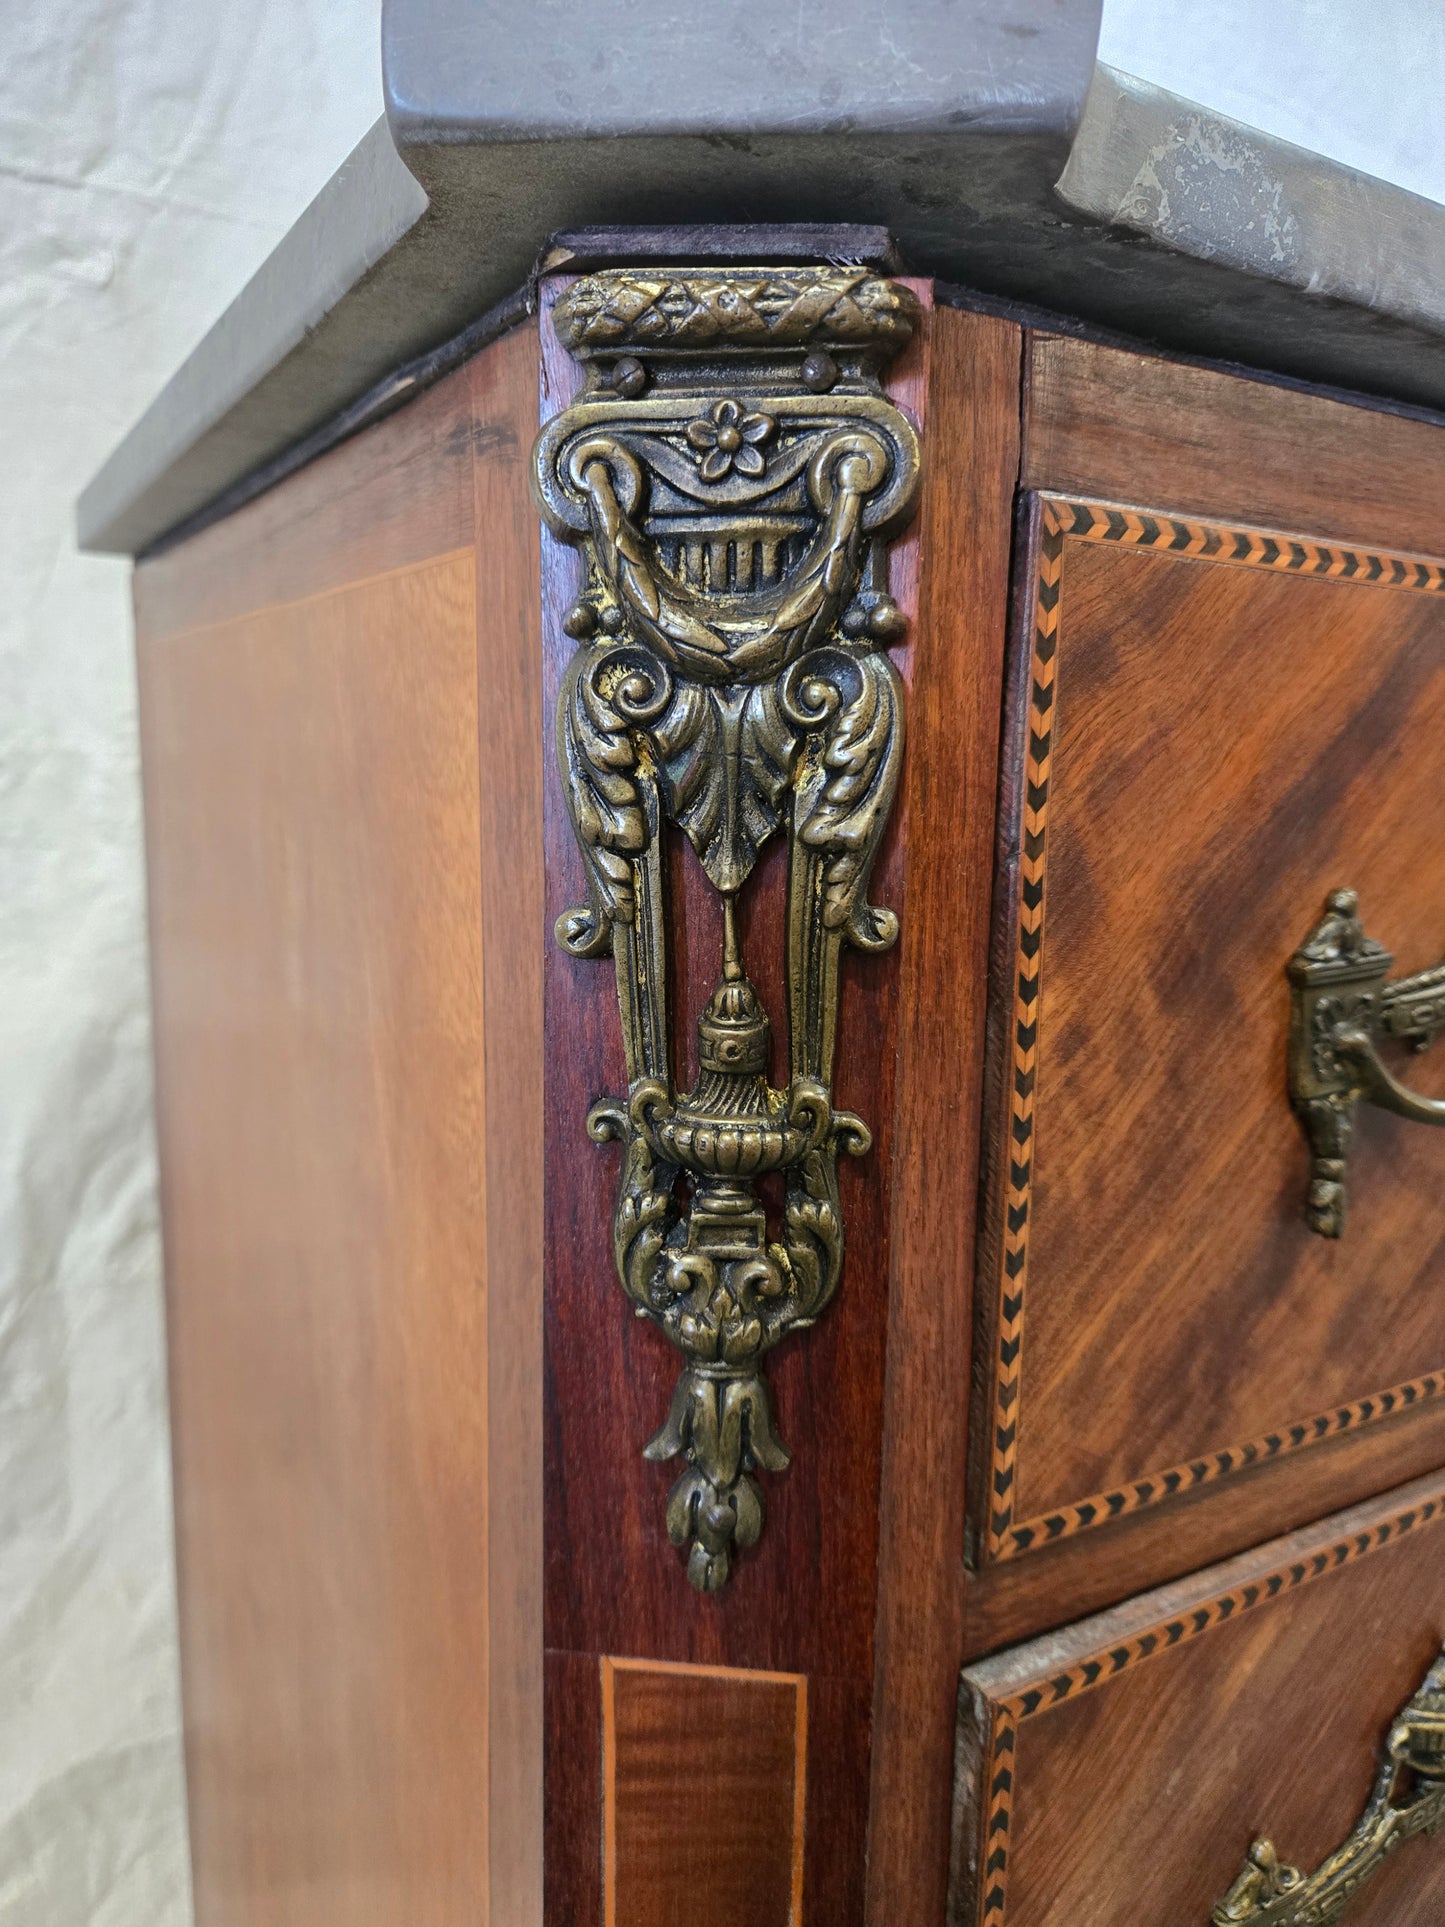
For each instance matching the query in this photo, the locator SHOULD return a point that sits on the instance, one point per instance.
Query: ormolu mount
(1407, 1799)
(1342, 1010)
(732, 472)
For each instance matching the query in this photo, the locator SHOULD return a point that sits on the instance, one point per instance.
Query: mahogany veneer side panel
(344, 850)
(311, 775)
(509, 700)
(1138, 428)
(947, 803)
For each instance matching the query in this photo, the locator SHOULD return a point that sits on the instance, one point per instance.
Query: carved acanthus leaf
(846, 786)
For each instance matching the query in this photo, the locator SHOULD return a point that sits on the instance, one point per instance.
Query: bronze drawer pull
(1342, 1008)
(1408, 1797)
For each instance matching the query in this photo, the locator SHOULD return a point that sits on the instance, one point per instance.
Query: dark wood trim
(950, 791)
(1051, 321)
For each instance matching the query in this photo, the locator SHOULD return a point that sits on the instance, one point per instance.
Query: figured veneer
(704, 1795)
(1116, 1094)
(1139, 1753)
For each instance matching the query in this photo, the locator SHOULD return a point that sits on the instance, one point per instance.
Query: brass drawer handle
(1408, 1798)
(1341, 1008)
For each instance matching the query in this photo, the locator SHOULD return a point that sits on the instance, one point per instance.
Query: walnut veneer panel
(343, 823)
(1216, 729)
(704, 1794)
(1120, 1770)
(1212, 729)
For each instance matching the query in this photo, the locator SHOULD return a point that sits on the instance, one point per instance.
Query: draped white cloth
(151, 154)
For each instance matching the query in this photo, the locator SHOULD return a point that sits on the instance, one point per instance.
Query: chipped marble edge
(1208, 186)
(408, 245)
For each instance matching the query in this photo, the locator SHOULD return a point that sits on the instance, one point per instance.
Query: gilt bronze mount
(732, 473)
(1408, 1798)
(1342, 1010)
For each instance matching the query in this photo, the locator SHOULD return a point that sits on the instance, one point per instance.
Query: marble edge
(1208, 186)
(412, 240)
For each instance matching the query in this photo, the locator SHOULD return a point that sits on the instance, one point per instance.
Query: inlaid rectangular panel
(704, 1782)
(1211, 726)
(1122, 1770)
(343, 804)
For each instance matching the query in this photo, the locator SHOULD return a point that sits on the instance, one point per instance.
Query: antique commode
(797, 871)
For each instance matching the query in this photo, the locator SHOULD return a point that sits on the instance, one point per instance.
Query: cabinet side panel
(342, 839)
(510, 731)
(311, 799)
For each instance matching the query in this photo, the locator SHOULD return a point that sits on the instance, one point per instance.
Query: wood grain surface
(390, 1284)
(501, 386)
(341, 841)
(398, 494)
(1140, 428)
(1162, 1314)
(313, 857)
(803, 1600)
(704, 1778)
(955, 672)
(1121, 1769)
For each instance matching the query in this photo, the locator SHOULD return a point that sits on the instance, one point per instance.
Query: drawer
(1210, 728)
(1123, 1769)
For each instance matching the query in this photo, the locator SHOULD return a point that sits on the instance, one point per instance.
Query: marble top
(983, 135)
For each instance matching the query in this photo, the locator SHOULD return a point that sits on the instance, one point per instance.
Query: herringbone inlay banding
(1000, 1764)
(1061, 520)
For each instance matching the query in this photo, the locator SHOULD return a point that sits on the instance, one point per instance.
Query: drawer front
(1123, 1769)
(1212, 727)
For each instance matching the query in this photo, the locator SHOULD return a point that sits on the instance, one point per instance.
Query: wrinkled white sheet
(151, 154)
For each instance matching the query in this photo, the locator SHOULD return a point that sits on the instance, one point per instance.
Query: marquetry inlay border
(1000, 1767)
(1062, 519)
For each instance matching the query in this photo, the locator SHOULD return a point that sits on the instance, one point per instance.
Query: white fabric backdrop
(1357, 82)
(151, 153)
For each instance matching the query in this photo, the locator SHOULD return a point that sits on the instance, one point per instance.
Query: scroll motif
(732, 473)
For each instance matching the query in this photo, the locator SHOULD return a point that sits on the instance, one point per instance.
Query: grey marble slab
(978, 132)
